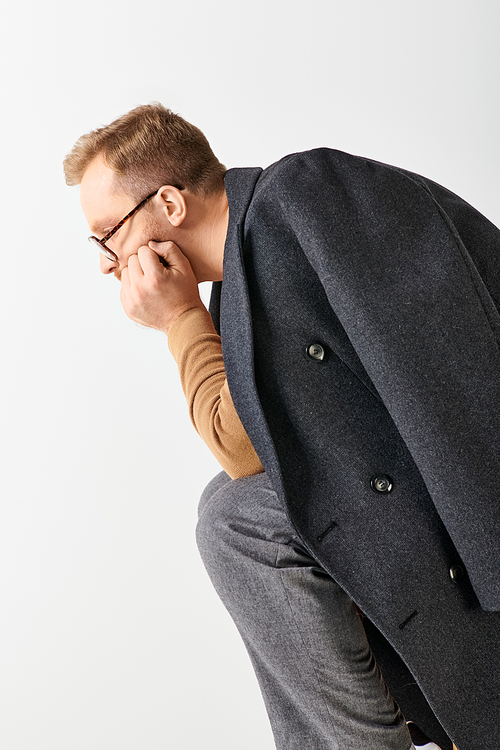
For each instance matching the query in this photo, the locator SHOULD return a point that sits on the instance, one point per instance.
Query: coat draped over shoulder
(360, 327)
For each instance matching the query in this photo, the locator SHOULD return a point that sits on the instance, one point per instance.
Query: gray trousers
(320, 683)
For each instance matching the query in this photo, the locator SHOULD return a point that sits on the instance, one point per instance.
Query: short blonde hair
(148, 147)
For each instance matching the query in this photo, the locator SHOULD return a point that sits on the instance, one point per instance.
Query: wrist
(175, 318)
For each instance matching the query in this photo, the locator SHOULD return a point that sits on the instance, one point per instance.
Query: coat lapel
(231, 304)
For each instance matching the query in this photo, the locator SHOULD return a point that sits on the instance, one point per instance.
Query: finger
(149, 260)
(167, 250)
(172, 255)
(125, 279)
(125, 288)
(163, 248)
(135, 269)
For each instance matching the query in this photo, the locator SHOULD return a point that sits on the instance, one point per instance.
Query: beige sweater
(196, 347)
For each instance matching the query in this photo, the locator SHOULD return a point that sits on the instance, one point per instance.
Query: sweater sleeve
(196, 347)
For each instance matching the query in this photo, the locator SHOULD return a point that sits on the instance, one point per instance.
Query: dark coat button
(316, 352)
(381, 483)
(457, 573)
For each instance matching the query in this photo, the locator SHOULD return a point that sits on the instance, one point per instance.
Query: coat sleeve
(412, 273)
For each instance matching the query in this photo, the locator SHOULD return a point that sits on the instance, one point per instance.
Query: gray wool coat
(360, 325)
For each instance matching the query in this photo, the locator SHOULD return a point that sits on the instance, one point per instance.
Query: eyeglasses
(101, 244)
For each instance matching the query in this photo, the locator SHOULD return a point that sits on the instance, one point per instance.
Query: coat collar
(240, 184)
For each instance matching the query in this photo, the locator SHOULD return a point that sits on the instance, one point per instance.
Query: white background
(111, 636)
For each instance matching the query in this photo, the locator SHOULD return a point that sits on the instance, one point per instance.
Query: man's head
(120, 164)
(148, 147)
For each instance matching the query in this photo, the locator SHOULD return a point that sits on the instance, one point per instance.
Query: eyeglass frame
(101, 243)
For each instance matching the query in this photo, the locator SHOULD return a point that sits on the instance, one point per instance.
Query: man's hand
(156, 295)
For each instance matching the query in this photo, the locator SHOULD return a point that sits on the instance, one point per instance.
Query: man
(359, 320)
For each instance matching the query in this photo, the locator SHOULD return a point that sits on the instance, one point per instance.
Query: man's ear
(173, 204)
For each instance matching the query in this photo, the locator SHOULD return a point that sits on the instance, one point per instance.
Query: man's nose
(107, 266)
